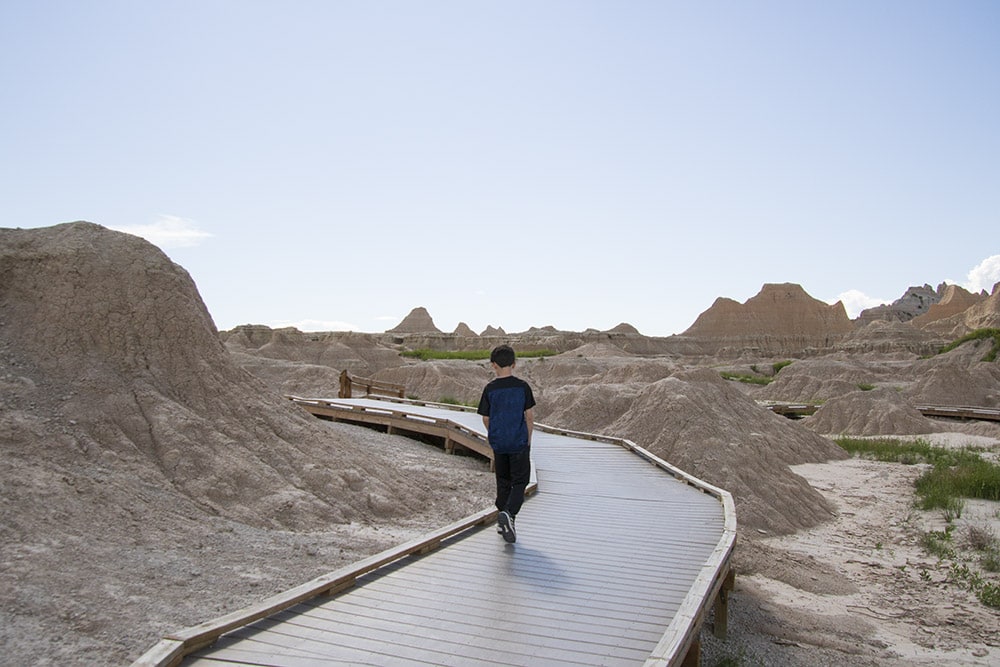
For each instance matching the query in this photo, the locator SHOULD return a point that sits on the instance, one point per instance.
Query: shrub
(978, 334)
(778, 365)
(980, 538)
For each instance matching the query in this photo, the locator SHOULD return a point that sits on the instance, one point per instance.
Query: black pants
(513, 472)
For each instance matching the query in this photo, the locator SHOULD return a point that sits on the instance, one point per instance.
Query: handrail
(173, 647)
(956, 411)
(960, 411)
(347, 383)
(451, 431)
(716, 574)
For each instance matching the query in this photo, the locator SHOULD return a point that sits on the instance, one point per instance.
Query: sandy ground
(860, 589)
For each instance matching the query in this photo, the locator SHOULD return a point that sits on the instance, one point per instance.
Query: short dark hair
(502, 356)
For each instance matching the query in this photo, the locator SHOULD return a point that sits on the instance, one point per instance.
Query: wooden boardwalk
(616, 562)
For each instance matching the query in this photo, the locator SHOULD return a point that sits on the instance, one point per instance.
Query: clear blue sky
(332, 165)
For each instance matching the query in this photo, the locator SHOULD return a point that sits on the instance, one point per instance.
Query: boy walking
(506, 406)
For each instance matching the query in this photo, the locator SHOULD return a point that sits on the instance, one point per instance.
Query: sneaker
(505, 526)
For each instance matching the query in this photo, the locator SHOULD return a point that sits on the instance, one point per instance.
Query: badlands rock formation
(954, 300)
(779, 318)
(916, 301)
(418, 321)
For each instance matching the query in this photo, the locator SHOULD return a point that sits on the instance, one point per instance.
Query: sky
(331, 165)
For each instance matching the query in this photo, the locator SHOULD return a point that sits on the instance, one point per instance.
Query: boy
(506, 406)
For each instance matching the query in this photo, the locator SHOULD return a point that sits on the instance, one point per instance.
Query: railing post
(345, 385)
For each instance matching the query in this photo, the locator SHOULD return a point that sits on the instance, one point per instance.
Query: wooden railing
(680, 644)
(170, 651)
(796, 410)
(960, 412)
(451, 432)
(349, 382)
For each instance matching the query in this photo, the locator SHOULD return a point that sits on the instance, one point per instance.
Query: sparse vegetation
(938, 543)
(756, 376)
(980, 538)
(864, 386)
(778, 365)
(449, 400)
(978, 334)
(744, 377)
(425, 354)
(956, 473)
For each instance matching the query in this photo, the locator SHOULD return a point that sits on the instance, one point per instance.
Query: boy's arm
(486, 423)
(529, 419)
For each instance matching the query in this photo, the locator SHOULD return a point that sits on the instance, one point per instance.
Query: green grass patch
(758, 376)
(743, 377)
(978, 334)
(955, 473)
(894, 450)
(450, 400)
(778, 365)
(969, 479)
(470, 355)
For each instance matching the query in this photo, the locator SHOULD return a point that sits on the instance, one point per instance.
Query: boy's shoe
(505, 526)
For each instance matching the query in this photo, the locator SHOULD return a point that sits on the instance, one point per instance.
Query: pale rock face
(916, 301)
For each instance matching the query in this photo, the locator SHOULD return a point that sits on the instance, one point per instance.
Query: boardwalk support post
(693, 657)
(721, 628)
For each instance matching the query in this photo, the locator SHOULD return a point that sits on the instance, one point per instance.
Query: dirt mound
(592, 350)
(876, 412)
(817, 380)
(145, 473)
(708, 427)
(954, 385)
(441, 380)
(360, 354)
(291, 378)
(890, 340)
(624, 328)
(121, 335)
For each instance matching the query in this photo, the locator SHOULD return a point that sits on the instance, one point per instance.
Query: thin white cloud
(855, 301)
(984, 276)
(168, 231)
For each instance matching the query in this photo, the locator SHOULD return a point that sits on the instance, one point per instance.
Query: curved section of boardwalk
(615, 563)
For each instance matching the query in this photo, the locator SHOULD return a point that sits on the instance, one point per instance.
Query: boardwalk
(612, 566)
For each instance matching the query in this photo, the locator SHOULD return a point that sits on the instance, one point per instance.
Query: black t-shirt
(505, 401)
